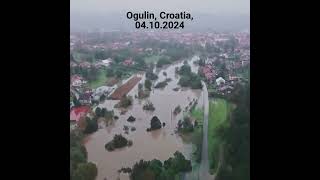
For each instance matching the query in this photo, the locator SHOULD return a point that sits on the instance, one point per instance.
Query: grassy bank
(197, 136)
(218, 115)
(198, 115)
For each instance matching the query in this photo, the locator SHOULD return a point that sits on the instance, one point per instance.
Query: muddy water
(159, 144)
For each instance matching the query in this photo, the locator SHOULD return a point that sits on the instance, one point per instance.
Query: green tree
(77, 156)
(118, 73)
(100, 55)
(85, 171)
(236, 151)
(98, 112)
(139, 62)
(185, 69)
(109, 72)
(76, 102)
(92, 125)
(223, 71)
(102, 97)
(202, 62)
(155, 123)
(119, 141)
(163, 61)
(150, 75)
(125, 101)
(103, 112)
(184, 81)
(147, 84)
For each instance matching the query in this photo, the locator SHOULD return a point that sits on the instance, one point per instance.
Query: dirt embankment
(125, 88)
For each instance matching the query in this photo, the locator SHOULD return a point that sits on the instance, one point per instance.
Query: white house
(77, 81)
(220, 80)
(107, 62)
(103, 90)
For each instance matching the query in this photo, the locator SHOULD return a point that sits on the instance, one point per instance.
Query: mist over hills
(80, 22)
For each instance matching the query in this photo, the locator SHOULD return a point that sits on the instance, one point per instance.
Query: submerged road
(204, 165)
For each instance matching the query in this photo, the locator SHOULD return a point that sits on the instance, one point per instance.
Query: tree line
(235, 163)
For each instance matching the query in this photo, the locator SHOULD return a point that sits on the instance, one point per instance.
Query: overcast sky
(193, 6)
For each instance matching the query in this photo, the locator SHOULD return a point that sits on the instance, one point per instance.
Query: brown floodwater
(159, 144)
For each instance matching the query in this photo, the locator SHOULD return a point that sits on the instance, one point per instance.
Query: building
(208, 72)
(226, 89)
(107, 62)
(233, 78)
(77, 81)
(102, 90)
(85, 64)
(85, 98)
(77, 112)
(220, 81)
(128, 62)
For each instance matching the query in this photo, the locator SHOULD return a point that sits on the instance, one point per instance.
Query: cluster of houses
(77, 81)
(84, 97)
(80, 92)
(77, 114)
(208, 72)
(126, 40)
(106, 62)
(223, 86)
(88, 65)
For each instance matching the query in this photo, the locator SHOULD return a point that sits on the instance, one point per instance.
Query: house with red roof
(85, 64)
(208, 72)
(128, 62)
(77, 81)
(77, 112)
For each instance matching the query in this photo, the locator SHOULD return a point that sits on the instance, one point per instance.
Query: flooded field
(159, 144)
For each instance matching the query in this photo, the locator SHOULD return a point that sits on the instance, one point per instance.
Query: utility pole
(171, 116)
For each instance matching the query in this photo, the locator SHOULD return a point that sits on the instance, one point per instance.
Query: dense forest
(235, 163)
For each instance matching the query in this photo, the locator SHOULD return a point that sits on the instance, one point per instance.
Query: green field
(100, 81)
(197, 135)
(152, 59)
(218, 115)
(198, 115)
(79, 57)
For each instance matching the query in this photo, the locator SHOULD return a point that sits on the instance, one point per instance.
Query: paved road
(204, 165)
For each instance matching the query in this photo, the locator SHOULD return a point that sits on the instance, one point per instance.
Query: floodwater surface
(159, 144)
